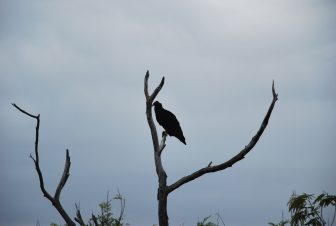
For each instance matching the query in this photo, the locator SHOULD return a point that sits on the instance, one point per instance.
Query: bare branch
(157, 90)
(162, 176)
(209, 164)
(163, 142)
(24, 112)
(233, 160)
(55, 201)
(95, 221)
(149, 102)
(146, 86)
(275, 95)
(122, 205)
(150, 98)
(64, 177)
(78, 217)
(30, 156)
(36, 159)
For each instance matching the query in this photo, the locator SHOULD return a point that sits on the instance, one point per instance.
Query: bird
(168, 121)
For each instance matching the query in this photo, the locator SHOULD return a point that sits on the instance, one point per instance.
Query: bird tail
(182, 139)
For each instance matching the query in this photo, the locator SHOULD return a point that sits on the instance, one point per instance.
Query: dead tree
(164, 190)
(55, 199)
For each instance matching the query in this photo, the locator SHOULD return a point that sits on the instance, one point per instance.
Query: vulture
(168, 121)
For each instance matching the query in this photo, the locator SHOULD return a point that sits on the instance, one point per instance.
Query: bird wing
(170, 123)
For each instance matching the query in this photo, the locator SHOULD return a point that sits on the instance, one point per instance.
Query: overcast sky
(81, 65)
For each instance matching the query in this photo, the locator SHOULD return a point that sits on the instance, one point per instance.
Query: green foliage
(306, 209)
(206, 221)
(105, 218)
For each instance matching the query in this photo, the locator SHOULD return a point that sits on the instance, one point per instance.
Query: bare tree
(55, 199)
(164, 190)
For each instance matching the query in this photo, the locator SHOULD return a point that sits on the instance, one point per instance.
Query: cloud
(81, 65)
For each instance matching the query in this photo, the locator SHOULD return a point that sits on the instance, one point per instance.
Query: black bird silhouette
(168, 121)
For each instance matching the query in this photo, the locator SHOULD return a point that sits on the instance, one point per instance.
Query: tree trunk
(163, 215)
(162, 194)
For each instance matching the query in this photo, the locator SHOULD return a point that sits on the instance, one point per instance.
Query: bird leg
(164, 134)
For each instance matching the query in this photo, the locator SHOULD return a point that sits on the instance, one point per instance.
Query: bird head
(157, 104)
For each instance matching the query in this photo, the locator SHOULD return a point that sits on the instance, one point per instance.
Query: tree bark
(162, 208)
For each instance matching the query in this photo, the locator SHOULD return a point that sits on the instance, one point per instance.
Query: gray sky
(81, 65)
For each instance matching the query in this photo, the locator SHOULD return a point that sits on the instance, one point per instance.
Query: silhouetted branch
(95, 221)
(149, 103)
(233, 160)
(122, 206)
(54, 200)
(162, 176)
(36, 159)
(333, 220)
(151, 98)
(78, 217)
(24, 112)
(164, 190)
(157, 147)
(64, 177)
(163, 142)
(209, 164)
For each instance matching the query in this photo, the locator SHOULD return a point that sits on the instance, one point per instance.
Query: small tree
(105, 218)
(306, 209)
(163, 189)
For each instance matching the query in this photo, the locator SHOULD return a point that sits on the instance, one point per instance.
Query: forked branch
(149, 102)
(234, 159)
(55, 200)
(158, 147)
(163, 142)
(150, 98)
(64, 177)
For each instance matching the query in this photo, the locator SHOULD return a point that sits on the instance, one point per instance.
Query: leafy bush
(306, 209)
(105, 218)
